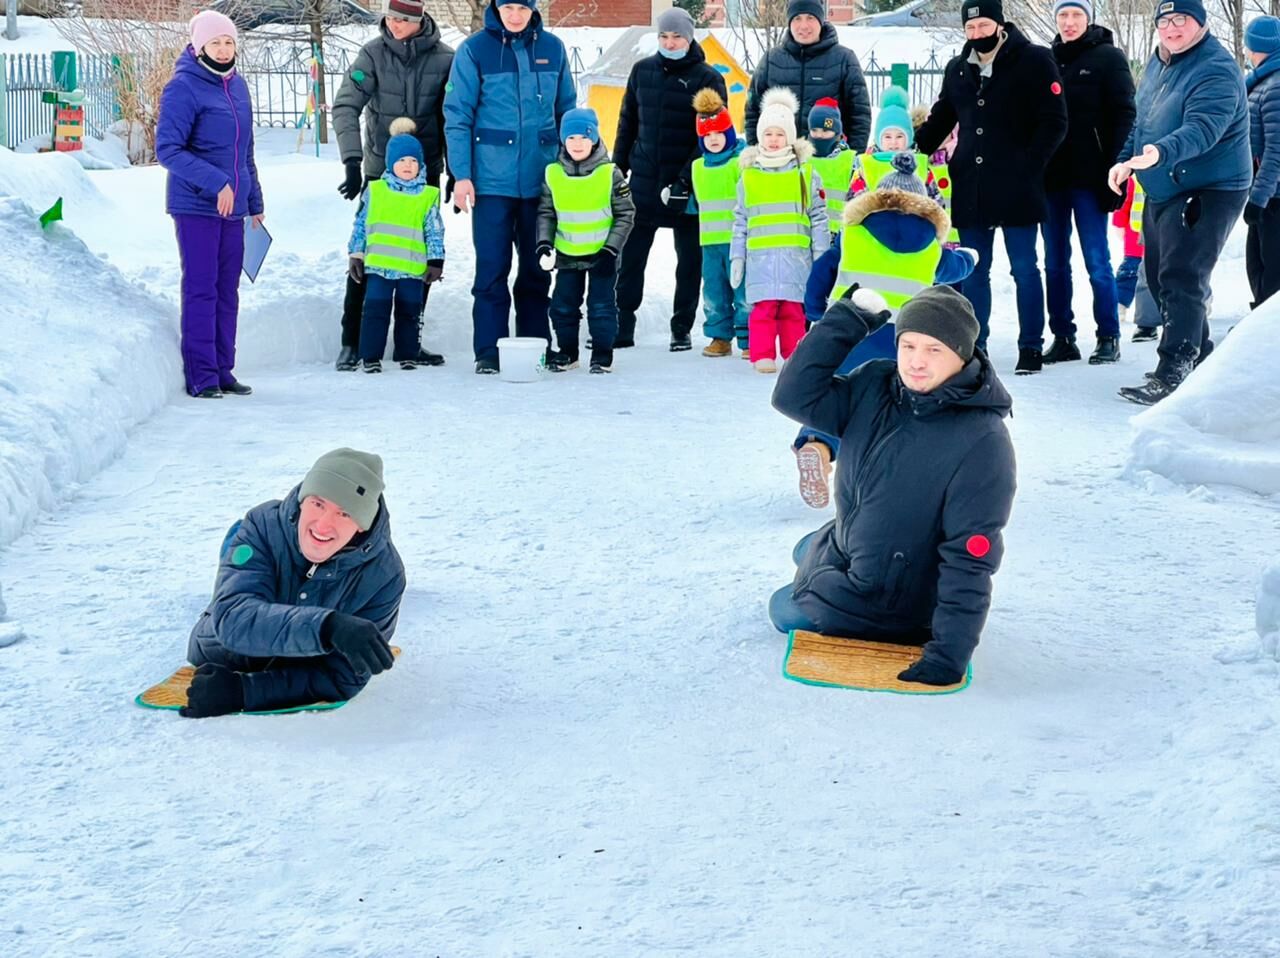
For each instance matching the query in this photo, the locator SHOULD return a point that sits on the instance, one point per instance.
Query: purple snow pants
(212, 252)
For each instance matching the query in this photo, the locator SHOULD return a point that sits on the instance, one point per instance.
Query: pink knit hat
(209, 24)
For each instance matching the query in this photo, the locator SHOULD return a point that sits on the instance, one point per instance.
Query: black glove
(543, 249)
(354, 183)
(1253, 213)
(448, 187)
(358, 641)
(435, 269)
(928, 672)
(676, 196)
(215, 690)
(355, 268)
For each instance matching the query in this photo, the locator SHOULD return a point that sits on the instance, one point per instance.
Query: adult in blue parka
(307, 596)
(1262, 212)
(509, 86)
(1190, 149)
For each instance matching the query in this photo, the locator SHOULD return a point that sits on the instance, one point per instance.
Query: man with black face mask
(1005, 92)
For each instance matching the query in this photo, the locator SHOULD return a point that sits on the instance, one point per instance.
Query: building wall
(600, 13)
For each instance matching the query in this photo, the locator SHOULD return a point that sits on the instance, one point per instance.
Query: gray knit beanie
(678, 21)
(903, 177)
(940, 312)
(349, 478)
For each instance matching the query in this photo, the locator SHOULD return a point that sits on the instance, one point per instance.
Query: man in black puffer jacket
(656, 144)
(401, 72)
(924, 481)
(1005, 93)
(812, 64)
(1100, 111)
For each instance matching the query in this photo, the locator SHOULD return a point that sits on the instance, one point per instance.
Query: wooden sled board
(172, 694)
(816, 659)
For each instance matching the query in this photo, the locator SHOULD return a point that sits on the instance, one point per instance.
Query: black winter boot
(1145, 334)
(348, 360)
(1063, 350)
(1107, 350)
(1029, 361)
(1149, 393)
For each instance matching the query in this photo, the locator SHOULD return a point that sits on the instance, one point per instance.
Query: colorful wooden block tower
(68, 104)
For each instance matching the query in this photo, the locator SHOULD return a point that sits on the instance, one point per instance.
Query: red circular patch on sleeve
(943, 183)
(978, 546)
(1056, 87)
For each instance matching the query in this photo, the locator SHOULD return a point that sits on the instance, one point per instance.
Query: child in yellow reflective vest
(895, 132)
(715, 193)
(396, 251)
(779, 229)
(833, 158)
(584, 216)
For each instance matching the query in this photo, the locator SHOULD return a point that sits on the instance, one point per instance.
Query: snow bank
(1222, 426)
(93, 355)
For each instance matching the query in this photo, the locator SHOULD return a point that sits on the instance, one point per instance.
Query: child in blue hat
(584, 217)
(396, 251)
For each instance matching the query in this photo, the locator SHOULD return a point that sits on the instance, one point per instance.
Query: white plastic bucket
(521, 359)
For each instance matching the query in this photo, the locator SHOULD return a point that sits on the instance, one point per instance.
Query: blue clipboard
(256, 243)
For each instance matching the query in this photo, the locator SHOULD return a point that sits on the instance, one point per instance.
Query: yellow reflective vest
(716, 190)
(394, 225)
(837, 173)
(584, 208)
(872, 265)
(777, 207)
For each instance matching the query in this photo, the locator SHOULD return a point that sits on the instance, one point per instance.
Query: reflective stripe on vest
(837, 173)
(394, 226)
(942, 180)
(895, 276)
(584, 208)
(775, 202)
(716, 189)
(1138, 205)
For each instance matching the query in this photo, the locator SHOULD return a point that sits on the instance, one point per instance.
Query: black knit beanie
(940, 312)
(973, 9)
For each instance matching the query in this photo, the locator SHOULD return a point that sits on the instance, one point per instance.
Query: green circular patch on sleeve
(357, 75)
(241, 554)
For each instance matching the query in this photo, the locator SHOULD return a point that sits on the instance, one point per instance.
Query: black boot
(237, 389)
(1107, 350)
(1149, 393)
(1145, 334)
(1063, 350)
(680, 342)
(561, 362)
(1029, 361)
(348, 360)
(213, 392)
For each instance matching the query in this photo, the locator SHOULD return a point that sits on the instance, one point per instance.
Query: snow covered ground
(587, 747)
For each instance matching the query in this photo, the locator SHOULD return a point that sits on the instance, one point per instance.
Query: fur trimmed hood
(897, 201)
(802, 147)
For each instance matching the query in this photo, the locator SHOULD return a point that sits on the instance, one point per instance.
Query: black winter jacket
(657, 140)
(924, 486)
(392, 78)
(823, 68)
(1100, 111)
(1010, 126)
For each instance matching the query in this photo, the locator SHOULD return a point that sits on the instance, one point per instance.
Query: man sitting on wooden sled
(306, 599)
(924, 481)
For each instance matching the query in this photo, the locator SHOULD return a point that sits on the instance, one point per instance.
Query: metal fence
(279, 86)
(28, 75)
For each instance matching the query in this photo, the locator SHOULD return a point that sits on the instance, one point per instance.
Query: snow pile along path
(1222, 426)
(94, 355)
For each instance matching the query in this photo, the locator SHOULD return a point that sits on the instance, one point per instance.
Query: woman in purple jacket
(204, 138)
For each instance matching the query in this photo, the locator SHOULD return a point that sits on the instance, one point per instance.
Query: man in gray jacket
(307, 596)
(401, 72)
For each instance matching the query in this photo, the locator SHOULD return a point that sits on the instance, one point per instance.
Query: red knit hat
(712, 115)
